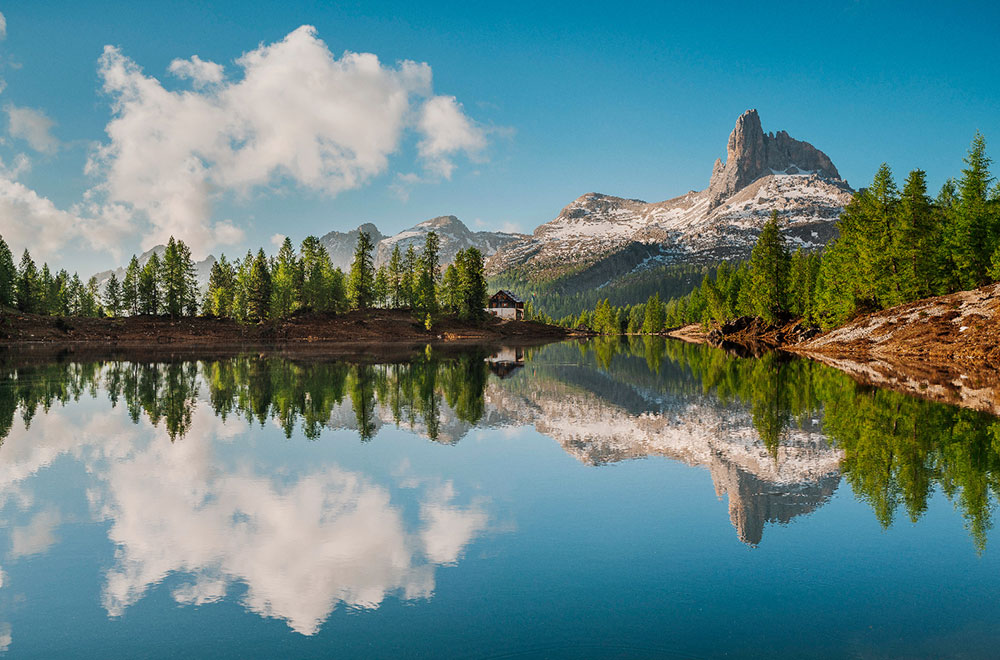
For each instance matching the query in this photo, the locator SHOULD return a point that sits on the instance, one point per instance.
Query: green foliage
(258, 289)
(769, 270)
(149, 286)
(26, 291)
(361, 281)
(8, 276)
(177, 280)
(287, 280)
(113, 296)
(425, 294)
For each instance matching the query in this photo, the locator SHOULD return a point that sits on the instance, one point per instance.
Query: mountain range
(598, 239)
(762, 172)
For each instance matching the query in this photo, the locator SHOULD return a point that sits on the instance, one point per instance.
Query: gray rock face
(763, 172)
(451, 231)
(751, 154)
(340, 244)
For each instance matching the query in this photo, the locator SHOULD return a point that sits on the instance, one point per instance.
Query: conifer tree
(395, 273)
(653, 315)
(471, 275)
(361, 281)
(46, 298)
(283, 281)
(150, 299)
(408, 285)
(381, 287)
(259, 289)
(451, 295)
(113, 296)
(221, 289)
(317, 275)
(27, 284)
(8, 276)
(130, 287)
(769, 265)
(176, 271)
(426, 287)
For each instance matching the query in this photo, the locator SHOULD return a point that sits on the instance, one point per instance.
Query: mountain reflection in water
(775, 433)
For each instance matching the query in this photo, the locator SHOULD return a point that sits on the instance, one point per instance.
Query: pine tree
(317, 275)
(653, 315)
(451, 295)
(408, 284)
(150, 299)
(130, 287)
(8, 276)
(174, 278)
(284, 276)
(259, 289)
(381, 287)
(46, 298)
(396, 277)
(26, 293)
(221, 289)
(973, 230)
(113, 296)
(361, 281)
(471, 275)
(426, 288)
(769, 265)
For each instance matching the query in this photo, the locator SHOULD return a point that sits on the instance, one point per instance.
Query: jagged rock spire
(751, 154)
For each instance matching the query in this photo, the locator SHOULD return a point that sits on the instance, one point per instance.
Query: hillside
(452, 232)
(762, 172)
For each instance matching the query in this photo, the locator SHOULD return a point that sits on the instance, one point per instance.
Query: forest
(893, 246)
(256, 288)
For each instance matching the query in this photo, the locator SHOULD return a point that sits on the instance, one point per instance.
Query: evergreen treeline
(894, 246)
(292, 394)
(256, 288)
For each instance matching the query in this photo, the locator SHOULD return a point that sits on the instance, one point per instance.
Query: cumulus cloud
(447, 131)
(199, 71)
(297, 115)
(33, 126)
(3, 27)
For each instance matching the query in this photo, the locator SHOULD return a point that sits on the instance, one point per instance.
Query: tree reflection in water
(897, 450)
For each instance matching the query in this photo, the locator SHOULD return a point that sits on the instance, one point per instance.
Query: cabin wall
(503, 312)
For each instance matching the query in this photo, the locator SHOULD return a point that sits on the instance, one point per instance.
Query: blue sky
(549, 102)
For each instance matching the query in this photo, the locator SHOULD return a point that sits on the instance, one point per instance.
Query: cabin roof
(508, 294)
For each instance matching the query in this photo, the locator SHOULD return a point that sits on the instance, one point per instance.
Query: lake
(604, 498)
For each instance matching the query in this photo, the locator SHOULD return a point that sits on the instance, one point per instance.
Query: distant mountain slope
(453, 233)
(202, 268)
(762, 172)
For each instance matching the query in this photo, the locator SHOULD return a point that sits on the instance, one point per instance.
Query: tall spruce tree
(259, 289)
(769, 266)
(285, 281)
(150, 298)
(426, 288)
(8, 275)
(27, 284)
(395, 273)
(130, 287)
(361, 281)
(221, 289)
(113, 296)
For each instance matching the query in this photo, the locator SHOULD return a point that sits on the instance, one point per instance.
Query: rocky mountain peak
(751, 153)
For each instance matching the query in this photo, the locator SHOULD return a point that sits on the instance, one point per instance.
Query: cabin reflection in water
(506, 361)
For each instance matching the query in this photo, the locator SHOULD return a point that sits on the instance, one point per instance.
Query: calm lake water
(599, 499)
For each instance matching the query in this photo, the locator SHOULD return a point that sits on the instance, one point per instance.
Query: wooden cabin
(506, 305)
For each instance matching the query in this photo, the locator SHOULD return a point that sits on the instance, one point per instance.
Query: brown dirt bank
(384, 334)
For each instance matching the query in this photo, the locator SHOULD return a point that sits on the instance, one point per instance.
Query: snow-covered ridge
(764, 173)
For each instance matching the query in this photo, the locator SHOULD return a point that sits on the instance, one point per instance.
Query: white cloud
(32, 126)
(447, 131)
(199, 71)
(277, 240)
(297, 115)
(3, 27)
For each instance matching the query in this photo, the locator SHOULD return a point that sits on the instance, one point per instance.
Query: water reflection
(775, 434)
